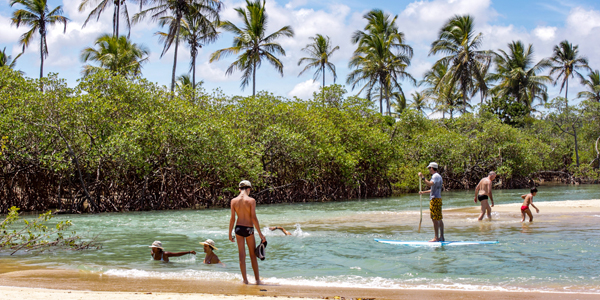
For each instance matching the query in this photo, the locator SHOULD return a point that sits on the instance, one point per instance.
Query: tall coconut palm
(592, 84)
(101, 5)
(116, 54)
(440, 90)
(320, 51)
(7, 61)
(197, 30)
(419, 102)
(171, 13)
(518, 75)
(37, 15)
(458, 41)
(381, 58)
(566, 63)
(253, 43)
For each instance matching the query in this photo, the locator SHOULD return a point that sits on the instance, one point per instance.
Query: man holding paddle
(435, 202)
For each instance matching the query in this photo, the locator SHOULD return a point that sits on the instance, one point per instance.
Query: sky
(543, 23)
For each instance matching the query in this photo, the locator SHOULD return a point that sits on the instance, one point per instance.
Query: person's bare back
(244, 207)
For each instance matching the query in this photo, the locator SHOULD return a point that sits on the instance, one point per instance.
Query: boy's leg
(528, 211)
(242, 255)
(523, 215)
(251, 246)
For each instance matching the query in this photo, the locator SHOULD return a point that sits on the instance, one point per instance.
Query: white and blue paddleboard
(435, 244)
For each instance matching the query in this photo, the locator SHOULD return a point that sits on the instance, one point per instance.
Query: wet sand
(555, 207)
(50, 284)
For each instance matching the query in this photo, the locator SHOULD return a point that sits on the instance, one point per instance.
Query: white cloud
(10, 33)
(582, 21)
(304, 90)
(545, 33)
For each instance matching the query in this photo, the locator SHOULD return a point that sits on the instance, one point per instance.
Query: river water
(332, 245)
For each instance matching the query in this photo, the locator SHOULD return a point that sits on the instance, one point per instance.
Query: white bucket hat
(210, 243)
(432, 165)
(157, 244)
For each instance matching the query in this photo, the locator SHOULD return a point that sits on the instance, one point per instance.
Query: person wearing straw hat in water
(211, 257)
(245, 208)
(435, 200)
(159, 253)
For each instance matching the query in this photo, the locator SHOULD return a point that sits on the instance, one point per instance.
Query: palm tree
(171, 13)
(320, 51)
(7, 61)
(457, 40)
(184, 80)
(197, 30)
(565, 64)
(419, 102)
(440, 90)
(593, 86)
(115, 54)
(517, 75)
(39, 17)
(381, 57)
(99, 9)
(253, 43)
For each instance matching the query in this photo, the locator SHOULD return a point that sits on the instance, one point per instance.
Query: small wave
(186, 274)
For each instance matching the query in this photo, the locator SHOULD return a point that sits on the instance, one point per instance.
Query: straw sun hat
(210, 243)
(157, 244)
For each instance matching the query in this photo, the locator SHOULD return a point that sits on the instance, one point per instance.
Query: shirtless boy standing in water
(245, 208)
(528, 201)
(483, 191)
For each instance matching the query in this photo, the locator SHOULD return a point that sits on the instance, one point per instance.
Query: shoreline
(70, 285)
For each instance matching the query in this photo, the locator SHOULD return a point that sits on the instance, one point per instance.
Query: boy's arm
(255, 222)
(536, 209)
(231, 221)
(523, 196)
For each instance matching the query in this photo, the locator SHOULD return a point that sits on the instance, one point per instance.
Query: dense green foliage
(113, 144)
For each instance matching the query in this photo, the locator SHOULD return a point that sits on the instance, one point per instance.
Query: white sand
(47, 294)
(571, 206)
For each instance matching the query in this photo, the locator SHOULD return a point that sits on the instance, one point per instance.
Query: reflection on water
(332, 244)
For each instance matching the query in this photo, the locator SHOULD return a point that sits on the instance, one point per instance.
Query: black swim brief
(482, 197)
(244, 231)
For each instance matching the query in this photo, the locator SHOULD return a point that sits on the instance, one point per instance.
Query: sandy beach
(19, 281)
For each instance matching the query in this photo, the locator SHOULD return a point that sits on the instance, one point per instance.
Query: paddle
(420, 205)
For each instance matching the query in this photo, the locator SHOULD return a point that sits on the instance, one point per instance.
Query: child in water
(528, 201)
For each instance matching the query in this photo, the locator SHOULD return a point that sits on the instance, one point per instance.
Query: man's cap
(260, 250)
(432, 165)
(157, 244)
(210, 243)
(245, 183)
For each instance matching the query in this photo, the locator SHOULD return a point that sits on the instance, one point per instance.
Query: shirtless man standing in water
(483, 191)
(245, 208)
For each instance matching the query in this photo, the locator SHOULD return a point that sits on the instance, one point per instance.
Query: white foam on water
(186, 274)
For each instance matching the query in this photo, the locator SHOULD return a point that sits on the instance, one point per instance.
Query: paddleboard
(435, 244)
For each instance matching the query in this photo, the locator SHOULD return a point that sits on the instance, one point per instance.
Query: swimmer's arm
(175, 254)
(255, 221)
(280, 228)
(231, 221)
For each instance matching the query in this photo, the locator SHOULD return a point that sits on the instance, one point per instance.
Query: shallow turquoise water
(333, 245)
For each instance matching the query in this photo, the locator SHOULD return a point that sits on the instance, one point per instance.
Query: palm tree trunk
(576, 150)
(381, 99)
(193, 77)
(323, 87)
(175, 56)
(254, 78)
(117, 18)
(42, 55)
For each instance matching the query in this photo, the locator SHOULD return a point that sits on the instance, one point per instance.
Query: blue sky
(542, 23)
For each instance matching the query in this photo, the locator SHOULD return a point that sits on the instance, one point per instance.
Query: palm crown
(116, 54)
(566, 63)
(253, 43)
(320, 51)
(37, 15)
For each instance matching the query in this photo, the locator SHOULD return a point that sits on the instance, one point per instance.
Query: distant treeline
(116, 144)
